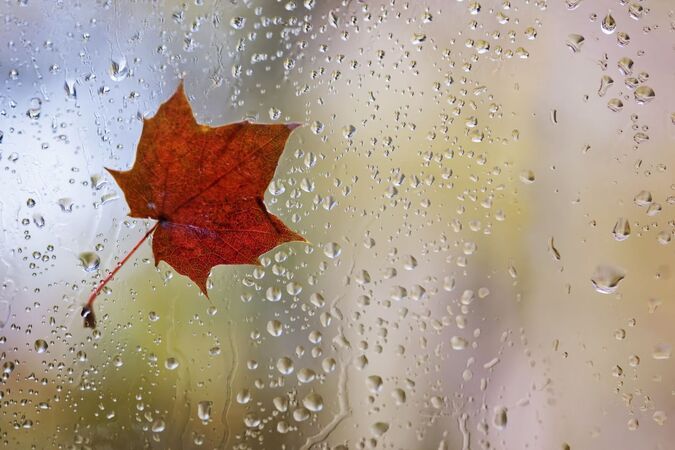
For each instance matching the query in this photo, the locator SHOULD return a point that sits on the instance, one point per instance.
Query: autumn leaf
(204, 186)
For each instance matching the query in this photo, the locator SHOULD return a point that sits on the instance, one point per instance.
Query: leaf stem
(88, 310)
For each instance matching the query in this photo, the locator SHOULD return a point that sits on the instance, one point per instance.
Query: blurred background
(486, 190)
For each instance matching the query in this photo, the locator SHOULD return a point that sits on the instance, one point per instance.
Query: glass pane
(485, 189)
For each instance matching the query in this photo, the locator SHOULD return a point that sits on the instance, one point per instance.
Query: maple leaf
(204, 186)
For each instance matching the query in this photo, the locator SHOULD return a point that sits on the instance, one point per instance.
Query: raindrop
(119, 69)
(605, 83)
(621, 230)
(171, 363)
(379, 428)
(643, 198)
(41, 346)
(374, 383)
(69, 87)
(625, 66)
(527, 176)
(332, 250)
(606, 279)
(158, 425)
(574, 42)
(34, 108)
(662, 351)
(458, 343)
(608, 24)
(313, 402)
(499, 417)
(644, 94)
(615, 105)
(89, 261)
(204, 410)
(238, 22)
(418, 38)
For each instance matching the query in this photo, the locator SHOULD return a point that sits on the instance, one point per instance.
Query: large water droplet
(500, 417)
(204, 410)
(606, 278)
(574, 42)
(89, 261)
(119, 69)
(644, 94)
(621, 230)
(608, 24)
(41, 346)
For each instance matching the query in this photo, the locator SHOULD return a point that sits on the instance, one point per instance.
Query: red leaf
(205, 187)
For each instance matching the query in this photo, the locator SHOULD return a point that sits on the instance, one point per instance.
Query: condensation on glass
(487, 193)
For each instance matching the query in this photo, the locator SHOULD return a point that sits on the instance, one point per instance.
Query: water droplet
(621, 230)
(608, 24)
(643, 198)
(171, 363)
(204, 410)
(662, 351)
(574, 42)
(605, 83)
(499, 417)
(615, 104)
(5, 310)
(34, 108)
(274, 113)
(41, 346)
(158, 425)
(332, 250)
(238, 22)
(374, 383)
(622, 39)
(458, 343)
(119, 69)
(69, 87)
(89, 261)
(644, 94)
(379, 428)
(572, 4)
(527, 176)
(275, 328)
(66, 204)
(313, 402)
(625, 66)
(606, 278)
(660, 417)
(418, 38)
(306, 375)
